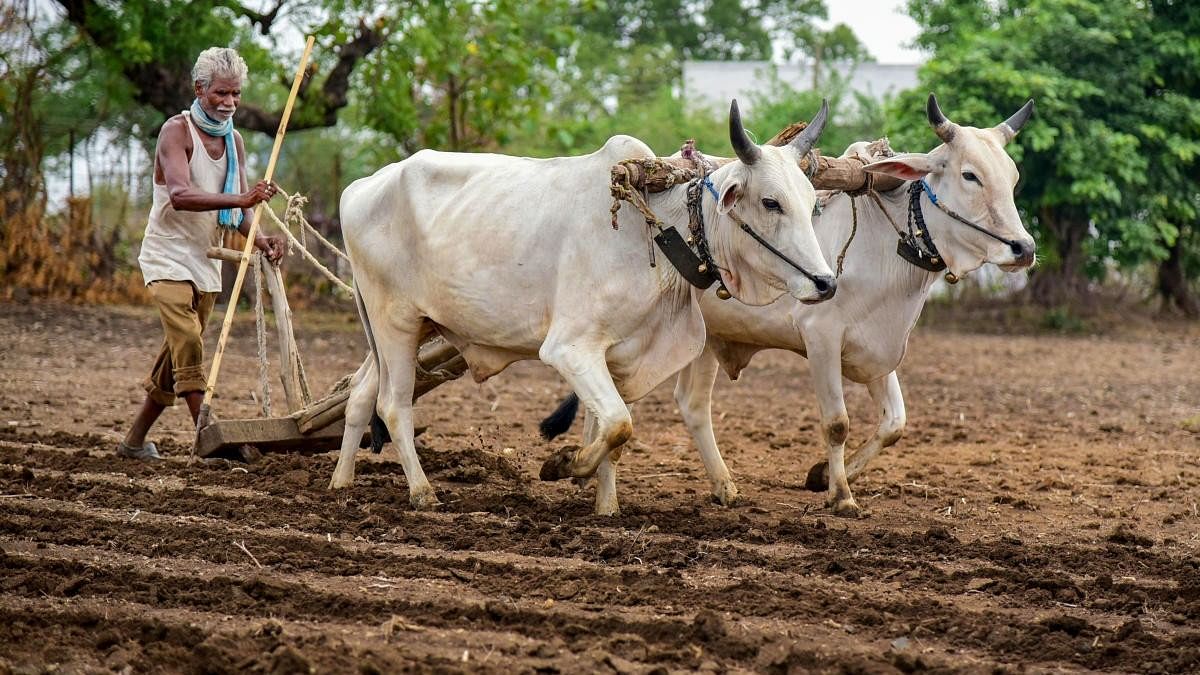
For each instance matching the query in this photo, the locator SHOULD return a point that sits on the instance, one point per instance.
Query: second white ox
(514, 258)
(862, 334)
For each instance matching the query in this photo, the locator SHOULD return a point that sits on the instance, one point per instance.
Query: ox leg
(364, 388)
(835, 427)
(606, 474)
(693, 395)
(588, 375)
(885, 392)
(397, 345)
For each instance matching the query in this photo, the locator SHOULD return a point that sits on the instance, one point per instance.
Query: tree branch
(322, 106)
(167, 87)
(264, 20)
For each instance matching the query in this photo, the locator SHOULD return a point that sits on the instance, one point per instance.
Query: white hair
(218, 62)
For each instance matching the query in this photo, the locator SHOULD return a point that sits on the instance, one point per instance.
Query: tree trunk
(1173, 284)
(1062, 279)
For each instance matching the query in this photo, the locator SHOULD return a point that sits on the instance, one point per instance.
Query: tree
(1106, 163)
(153, 44)
(623, 73)
(460, 74)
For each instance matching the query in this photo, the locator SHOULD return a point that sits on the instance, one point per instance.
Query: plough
(310, 426)
(317, 426)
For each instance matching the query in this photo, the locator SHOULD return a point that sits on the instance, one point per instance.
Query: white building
(714, 83)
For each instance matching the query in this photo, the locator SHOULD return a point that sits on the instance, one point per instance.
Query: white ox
(863, 332)
(513, 258)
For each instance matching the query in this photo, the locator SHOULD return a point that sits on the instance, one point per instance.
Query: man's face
(220, 99)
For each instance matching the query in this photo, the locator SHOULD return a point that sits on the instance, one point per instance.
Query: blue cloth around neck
(227, 218)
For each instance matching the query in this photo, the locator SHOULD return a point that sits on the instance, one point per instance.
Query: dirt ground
(1039, 515)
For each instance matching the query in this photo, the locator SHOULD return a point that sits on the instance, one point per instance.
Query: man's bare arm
(171, 154)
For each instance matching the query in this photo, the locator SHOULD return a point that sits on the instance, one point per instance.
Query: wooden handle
(249, 249)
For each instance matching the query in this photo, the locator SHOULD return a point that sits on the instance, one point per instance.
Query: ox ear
(731, 193)
(906, 166)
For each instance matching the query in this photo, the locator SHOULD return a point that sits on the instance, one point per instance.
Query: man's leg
(184, 315)
(194, 400)
(146, 417)
(160, 388)
(177, 305)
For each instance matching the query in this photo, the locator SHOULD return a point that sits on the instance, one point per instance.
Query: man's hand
(273, 247)
(261, 192)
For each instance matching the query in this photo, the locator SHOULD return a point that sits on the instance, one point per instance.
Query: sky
(881, 25)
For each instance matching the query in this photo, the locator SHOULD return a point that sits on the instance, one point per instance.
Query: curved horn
(943, 127)
(808, 138)
(1009, 127)
(745, 148)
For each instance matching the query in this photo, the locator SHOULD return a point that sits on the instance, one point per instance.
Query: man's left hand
(274, 246)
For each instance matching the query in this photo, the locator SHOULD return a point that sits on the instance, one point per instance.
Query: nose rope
(1012, 243)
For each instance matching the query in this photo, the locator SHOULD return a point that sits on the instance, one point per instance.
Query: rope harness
(917, 247)
(697, 267)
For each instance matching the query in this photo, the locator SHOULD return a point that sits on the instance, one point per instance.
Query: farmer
(200, 190)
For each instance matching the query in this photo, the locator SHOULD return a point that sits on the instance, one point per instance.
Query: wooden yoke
(844, 174)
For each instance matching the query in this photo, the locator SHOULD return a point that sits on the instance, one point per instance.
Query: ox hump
(623, 147)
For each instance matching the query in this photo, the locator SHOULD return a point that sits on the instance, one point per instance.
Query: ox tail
(379, 430)
(561, 419)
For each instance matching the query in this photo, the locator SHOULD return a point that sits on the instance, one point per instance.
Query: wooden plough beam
(316, 427)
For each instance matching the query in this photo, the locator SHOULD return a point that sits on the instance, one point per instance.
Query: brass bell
(703, 268)
(951, 278)
(723, 294)
(935, 260)
(690, 240)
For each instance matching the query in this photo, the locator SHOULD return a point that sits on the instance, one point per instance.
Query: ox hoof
(424, 500)
(558, 466)
(725, 493)
(847, 508)
(818, 477)
(340, 482)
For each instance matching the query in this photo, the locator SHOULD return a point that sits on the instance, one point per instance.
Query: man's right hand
(261, 192)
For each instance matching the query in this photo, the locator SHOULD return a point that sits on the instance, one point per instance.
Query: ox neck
(689, 220)
(873, 251)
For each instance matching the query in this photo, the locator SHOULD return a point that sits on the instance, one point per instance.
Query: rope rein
(853, 231)
(260, 324)
(294, 213)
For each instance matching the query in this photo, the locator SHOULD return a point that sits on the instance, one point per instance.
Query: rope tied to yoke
(294, 214)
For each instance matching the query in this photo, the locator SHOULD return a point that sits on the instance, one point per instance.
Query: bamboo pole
(206, 406)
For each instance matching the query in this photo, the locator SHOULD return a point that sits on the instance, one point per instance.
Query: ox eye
(772, 205)
(967, 175)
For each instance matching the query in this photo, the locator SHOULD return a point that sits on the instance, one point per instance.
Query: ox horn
(808, 138)
(1009, 128)
(943, 127)
(746, 149)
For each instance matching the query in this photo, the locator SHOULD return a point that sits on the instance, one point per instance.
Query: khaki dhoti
(179, 369)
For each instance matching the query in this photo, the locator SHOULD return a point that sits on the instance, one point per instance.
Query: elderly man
(200, 189)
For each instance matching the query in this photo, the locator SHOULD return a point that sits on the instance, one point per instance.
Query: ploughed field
(1041, 512)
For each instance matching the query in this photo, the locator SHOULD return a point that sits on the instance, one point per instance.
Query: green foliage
(460, 74)
(1109, 161)
(623, 74)
(852, 117)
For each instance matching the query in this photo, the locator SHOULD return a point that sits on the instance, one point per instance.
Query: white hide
(862, 333)
(513, 258)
